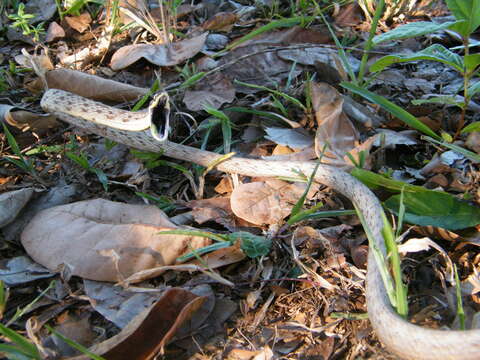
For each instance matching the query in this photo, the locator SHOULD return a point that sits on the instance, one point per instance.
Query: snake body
(400, 337)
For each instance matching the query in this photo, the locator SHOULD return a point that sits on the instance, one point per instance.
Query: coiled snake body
(398, 335)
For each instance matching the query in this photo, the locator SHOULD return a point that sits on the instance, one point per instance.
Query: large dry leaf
(149, 332)
(11, 203)
(161, 55)
(79, 23)
(298, 138)
(334, 128)
(103, 240)
(120, 306)
(222, 21)
(260, 66)
(27, 120)
(93, 87)
(21, 270)
(213, 260)
(264, 202)
(323, 55)
(57, 195)
(213, 91)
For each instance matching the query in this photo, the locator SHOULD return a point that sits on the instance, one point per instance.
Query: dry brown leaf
(11, 203)
(225, 186)
(349, 15)
(334, 128)
(267, 68)
(149, 332)
(213, 91)
(241, 354)
(93, 87)
(76, 328)
(103, 240)
(161, 55)
(265, 202)
(120, 306)
(222, 257)
(27, 120)
(79, 23)
(218, 210)
(222, 21)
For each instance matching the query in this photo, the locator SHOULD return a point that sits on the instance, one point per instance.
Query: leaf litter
(93, 220)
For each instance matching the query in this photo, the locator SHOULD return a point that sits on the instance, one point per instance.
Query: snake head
(159, 114)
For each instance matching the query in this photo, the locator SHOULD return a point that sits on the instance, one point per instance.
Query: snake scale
(402, 338)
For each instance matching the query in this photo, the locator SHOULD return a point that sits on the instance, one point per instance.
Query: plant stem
(369, 44)
(466, 81)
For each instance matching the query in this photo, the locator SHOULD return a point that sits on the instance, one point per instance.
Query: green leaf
(283, 23)
(275, 92)
(79, 159)
(432, 208)
(467, 10)
(395, 110)
(299, 204)
(474, 89)
(434, 52)
(102, 177)
(467, 153)
(192, 80)
(411, 30)
(471, 62)
(374, 181)
(443, 99)
(395, 262)
(475, 126)
(252, 245)
(11, 141)
(13, 353)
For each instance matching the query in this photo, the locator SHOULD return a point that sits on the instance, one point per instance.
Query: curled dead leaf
(264, 202)
(27, 120)
(92, 86)
(103, 240)
(11, 203)
(213, 91)
(161, 55)
(148, 333)
(334, 128)
(222, 21)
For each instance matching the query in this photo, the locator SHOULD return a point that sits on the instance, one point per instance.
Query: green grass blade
(395, 262)
(278, 93)
(75, 345)
(283, 23)
(395, 110)
(458, 290)
(22, 342)
(379, 259)
(299, 204)
(216, 237)
(467, 153)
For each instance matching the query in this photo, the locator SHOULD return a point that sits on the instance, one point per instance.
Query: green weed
(22, 21)
(21, 161)
(82, 160)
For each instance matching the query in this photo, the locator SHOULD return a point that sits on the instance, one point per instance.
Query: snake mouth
(159, 115)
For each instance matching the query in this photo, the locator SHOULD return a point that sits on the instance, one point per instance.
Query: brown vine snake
(402, 338)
